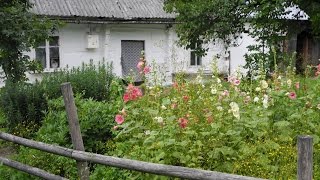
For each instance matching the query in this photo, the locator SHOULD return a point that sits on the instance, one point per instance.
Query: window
(48, 53)
(195, 60)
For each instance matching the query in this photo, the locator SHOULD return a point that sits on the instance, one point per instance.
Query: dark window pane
(41, 56)
(54, 41)
(193, 58)
(199, 60)
(54, 57)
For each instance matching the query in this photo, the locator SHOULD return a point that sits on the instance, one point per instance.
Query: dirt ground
(6, 151)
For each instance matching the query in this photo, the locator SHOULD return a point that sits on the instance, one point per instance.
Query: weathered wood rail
(160, 169)
(304, 171)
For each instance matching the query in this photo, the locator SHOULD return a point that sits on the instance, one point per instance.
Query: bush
(96, 122)
(23, 106)
(93, 81)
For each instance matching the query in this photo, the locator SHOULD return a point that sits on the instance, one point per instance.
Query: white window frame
(197, 58)
(47, 47)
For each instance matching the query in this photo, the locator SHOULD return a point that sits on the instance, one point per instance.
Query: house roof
(125, 10)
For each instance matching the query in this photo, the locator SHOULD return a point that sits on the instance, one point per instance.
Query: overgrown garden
(241, 126)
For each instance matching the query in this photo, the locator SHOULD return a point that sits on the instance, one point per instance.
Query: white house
(117, 31)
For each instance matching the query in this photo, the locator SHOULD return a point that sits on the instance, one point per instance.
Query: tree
(19, 30)
(201, 21)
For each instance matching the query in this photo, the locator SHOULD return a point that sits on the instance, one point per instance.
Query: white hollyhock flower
(159, 119)
(219, 108)
(213, 91)
(264, 84)
(265, 101)
(289, 82)
(235, 110)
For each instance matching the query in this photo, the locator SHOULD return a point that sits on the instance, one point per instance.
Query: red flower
(119, 119)
(126, 97)
(132, 93)
(292, 95)
(183, 122)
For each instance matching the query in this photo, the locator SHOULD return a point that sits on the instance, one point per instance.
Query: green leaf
(281, 124)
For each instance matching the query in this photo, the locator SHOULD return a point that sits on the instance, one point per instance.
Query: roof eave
(110, 20)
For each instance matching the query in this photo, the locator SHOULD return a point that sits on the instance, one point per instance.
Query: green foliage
(246, 128)
(96, 121)
(19, 30)
(23, 106)
(34, 66)
(210, 21)
(204, 21)
(93, 81)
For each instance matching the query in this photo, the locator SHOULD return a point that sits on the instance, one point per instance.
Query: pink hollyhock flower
(225, 93)
(146, 70)
(137, 92)
(236, 82)
(317, 73)
(132, 93)
(231, 79)
(126, 97)
(292, 95)
(130, 87)
(119, 119)
(140, 65)
(318, 67)
(183, 122)
(297, 85)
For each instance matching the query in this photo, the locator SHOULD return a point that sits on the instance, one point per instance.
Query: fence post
(74, 127)
(305, 158)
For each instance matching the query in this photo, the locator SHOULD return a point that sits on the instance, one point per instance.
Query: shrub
(93, 81)
(23, 106)
(96, 122)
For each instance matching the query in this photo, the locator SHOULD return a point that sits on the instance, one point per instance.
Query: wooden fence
(304, 170)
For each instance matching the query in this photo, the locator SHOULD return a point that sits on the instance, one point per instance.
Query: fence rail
(160, 169)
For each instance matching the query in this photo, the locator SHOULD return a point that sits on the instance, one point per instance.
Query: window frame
(48, 65)
(197, 58)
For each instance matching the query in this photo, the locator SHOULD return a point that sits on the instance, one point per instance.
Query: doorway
(130, 56)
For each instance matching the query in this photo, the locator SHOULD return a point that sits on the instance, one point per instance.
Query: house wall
(160, 47)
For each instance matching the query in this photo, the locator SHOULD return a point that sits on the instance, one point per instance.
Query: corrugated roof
(116, 9)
